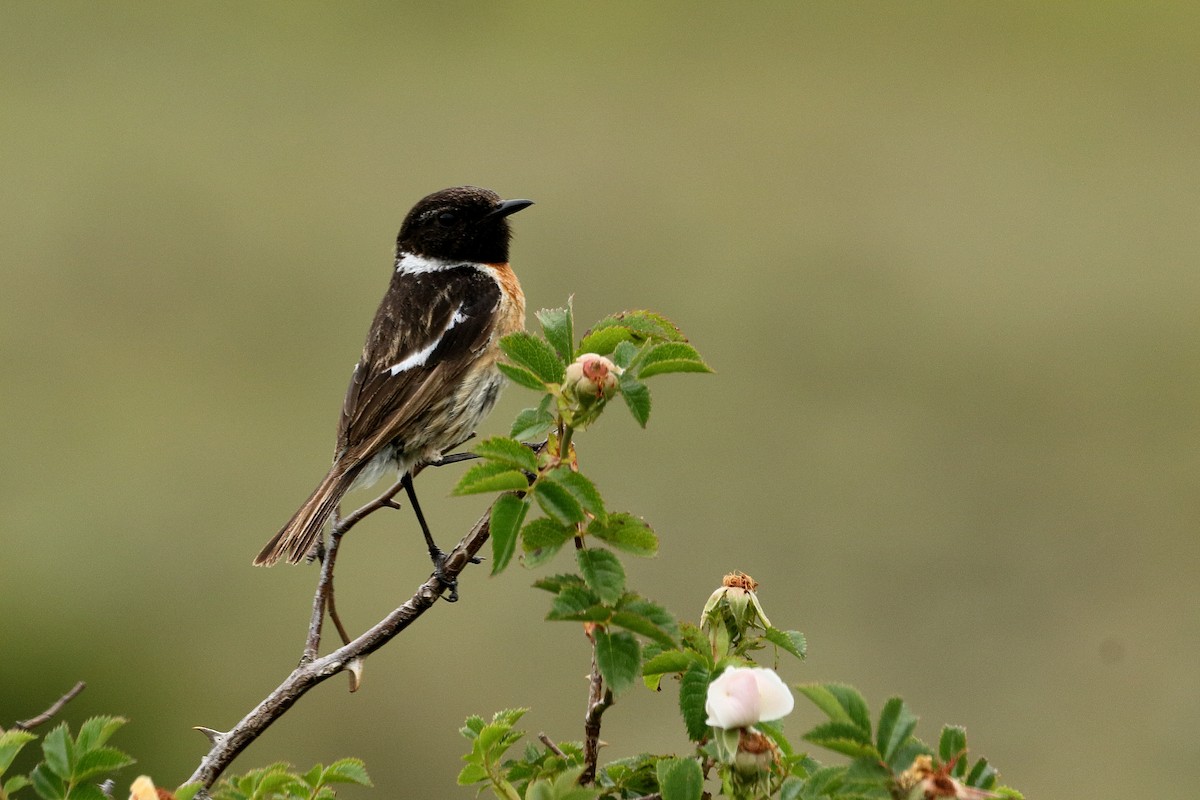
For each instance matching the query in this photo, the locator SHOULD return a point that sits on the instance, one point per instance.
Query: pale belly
(463, 411)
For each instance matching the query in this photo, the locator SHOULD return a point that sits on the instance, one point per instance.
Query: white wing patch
(419, 358)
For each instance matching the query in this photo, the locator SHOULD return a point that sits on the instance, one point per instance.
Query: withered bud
(755, 753)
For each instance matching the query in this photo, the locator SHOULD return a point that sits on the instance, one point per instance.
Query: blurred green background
(942, 256)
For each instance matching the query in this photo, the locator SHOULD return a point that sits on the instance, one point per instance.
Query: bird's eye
(447, 218)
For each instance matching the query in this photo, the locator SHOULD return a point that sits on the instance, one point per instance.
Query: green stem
(564, 442)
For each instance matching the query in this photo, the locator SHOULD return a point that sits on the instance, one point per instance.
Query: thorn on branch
(49, 713)
(355, 669)
(214, 736)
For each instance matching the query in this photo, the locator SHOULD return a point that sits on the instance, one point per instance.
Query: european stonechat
(428, 372)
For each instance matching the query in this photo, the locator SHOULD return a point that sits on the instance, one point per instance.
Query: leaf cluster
(616, 616)
(72, 767)
(641, 343)
(280, 781)
(882, 761)
(539, 773)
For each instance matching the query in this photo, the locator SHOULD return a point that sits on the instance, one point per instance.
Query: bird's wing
(429, 329)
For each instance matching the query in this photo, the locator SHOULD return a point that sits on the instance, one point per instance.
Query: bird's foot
(447, 581)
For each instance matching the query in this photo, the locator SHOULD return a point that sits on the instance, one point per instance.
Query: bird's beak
(507, 208)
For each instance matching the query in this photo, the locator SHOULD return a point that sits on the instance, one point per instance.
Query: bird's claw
(448, 582)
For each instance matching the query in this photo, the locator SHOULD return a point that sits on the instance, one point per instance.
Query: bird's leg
(435, 553)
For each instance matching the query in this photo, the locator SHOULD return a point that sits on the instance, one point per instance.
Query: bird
(427, 376)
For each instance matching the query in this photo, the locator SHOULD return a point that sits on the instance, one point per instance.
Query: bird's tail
(297, 537)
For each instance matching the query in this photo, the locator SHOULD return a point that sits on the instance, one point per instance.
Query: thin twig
(49, 713)
(599, 699)
(323, 599)
(550, 745)
(309, 674)
(337, 621)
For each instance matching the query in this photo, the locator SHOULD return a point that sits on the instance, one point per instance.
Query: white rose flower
(743, 696)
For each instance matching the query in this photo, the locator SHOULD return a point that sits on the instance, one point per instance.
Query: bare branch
(49, 713)
(599, 699)
(311, 673)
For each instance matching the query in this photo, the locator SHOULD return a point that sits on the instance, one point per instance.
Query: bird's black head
(464, 223)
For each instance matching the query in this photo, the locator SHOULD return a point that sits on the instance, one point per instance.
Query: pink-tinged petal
(733, 699)
(775, 699)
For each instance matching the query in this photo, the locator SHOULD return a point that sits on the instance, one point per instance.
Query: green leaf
(188, 791)
(11, 743)
(507, 451)
(667, 662)
(650, 620)
(508, 512)
(603, 573)
(619, 658)
(624, 354)
(491, 476)
(578, 604)
(896, 724)
(680, 778)
(542, 538)
(843, 737)
(313, 777)
(670, 357)
(532, 423)
(278, 782)
(696, 641)
(347, 770)
(558, 328)
(664, 367)
(563, 787)
(98, 761)
(841, 703)
(522, 377)
(556, 583)
(602, 342)
(581, 488)
(822, 783)
(982, 775)
(637, 397)
(509, 716)
(472, 726)
(641, 625)
(472, 773)
(557, 502)
(791, 641)
(86, 791)
(693, 693)
(534, 354)
(951, 745)
(15, 784)
(625, 532)
(57, 748)
(96, 731)
(643, 325)
(48, 785)
(792, 788)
